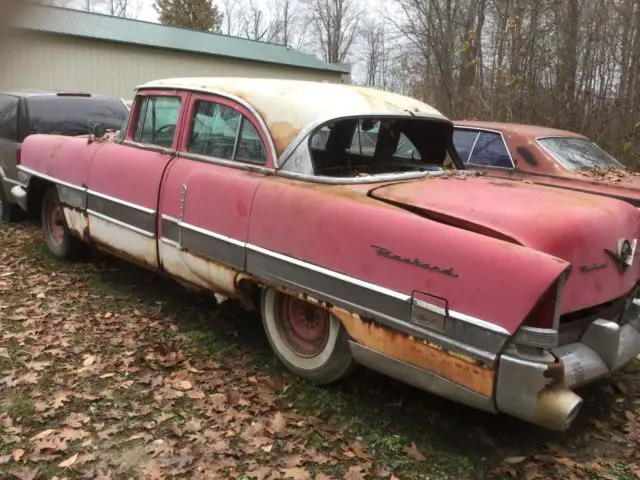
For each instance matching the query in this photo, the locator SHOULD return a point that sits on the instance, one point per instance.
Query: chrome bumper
(20, 196)
(538, 389)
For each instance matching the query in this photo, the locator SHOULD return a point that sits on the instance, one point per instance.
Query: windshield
(578, 153)
(74, 115)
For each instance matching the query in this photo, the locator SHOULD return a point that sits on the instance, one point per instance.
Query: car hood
(574, 227)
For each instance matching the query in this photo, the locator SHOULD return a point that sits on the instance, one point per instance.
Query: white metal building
(63, 49)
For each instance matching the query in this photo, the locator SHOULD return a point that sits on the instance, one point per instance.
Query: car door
(207, 196)
(125, 178)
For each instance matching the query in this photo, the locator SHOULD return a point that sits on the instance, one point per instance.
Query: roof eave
(332, 68)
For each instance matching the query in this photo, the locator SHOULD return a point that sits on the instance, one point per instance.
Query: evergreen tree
(194, 14)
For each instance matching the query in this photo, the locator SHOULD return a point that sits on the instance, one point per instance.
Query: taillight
(540, 328)
(18, 157)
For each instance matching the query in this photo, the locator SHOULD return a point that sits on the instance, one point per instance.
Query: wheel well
(37, 187)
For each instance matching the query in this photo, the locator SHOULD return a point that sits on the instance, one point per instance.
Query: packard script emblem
(625, 253)
(383, 252)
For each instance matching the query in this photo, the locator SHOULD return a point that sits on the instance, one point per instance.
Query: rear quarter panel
(336, 227)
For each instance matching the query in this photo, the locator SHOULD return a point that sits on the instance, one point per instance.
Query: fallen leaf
(4, 352)
(17, 454)
(413, 451)
(69, 461)
(355, 472)
(296, 473)
(514, 460)
(89, 360)
(25, 473)
(75, 420)
(183, 385)
(259, 473)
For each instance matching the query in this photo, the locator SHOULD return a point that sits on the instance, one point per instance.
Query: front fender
(57, 158)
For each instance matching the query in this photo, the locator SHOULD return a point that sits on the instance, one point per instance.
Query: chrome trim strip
(360, 283)
(120, 224)
(214, 235)
(121, 202)
(207, 233)
(463, 317)
(171, 243)
(237, 164)
(50, 179)
(340, 276)
(385, 177)
(223, 94)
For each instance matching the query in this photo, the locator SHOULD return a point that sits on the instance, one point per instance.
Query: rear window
(74, 115)
(578, 153)
(8, 117)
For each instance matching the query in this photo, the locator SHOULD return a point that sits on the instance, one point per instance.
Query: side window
(250, 146)
(223, 132)
(463, 141)
(8, 117)
(490, 151)
(157, 121)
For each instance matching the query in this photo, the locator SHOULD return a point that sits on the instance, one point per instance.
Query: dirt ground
(109, 372)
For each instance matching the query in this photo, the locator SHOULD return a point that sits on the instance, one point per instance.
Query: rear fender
(386, 264)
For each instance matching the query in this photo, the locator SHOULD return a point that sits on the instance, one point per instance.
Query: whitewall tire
(310, 341)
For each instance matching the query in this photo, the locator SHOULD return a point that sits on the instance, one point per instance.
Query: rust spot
(282, 133)
(455, 367)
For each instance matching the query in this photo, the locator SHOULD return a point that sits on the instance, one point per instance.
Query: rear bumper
(539, 389)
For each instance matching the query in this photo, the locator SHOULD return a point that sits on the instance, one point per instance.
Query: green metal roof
(96, 26)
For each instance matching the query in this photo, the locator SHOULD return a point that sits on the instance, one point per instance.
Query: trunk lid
(574, 227)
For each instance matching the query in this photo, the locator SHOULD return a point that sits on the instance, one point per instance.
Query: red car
(545, 156)
(296, 198)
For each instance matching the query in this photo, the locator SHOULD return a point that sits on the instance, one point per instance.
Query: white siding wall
(55, 62)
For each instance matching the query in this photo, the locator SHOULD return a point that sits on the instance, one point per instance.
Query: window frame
(246, 115)
(486, 130)
(140, 100)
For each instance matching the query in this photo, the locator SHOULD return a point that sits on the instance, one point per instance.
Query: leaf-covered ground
(110, 372)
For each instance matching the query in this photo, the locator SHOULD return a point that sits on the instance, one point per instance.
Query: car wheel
(54, 226)
(309, 340)
(7, 210)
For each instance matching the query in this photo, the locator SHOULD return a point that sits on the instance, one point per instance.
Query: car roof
(34, 92)
(518, 128)
(288, 107)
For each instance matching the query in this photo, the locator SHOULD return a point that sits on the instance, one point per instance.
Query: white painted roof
(288, 106)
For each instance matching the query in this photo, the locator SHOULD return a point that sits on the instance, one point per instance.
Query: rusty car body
(353, 252)
(545, 156)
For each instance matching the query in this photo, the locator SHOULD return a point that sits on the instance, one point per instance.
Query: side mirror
(97, 131)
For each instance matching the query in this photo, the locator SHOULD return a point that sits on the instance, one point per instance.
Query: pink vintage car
(294, 198)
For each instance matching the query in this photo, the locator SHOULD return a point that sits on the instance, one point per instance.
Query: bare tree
(335, 25)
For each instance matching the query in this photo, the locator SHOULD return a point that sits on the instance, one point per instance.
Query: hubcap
(302, 326)
(55, 223)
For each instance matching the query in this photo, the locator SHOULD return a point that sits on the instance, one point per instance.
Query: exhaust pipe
(557, 408)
